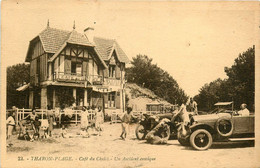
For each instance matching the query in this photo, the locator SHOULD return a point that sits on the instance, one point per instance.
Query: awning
(223, 103)
(23, 88)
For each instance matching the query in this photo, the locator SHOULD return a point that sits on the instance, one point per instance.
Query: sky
(192, 41)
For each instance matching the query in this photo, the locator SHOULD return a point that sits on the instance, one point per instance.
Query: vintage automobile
(222, 125)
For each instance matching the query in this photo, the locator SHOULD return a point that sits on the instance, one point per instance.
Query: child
(126, 119)
(84, 133)
(43, 129)
(10, 126)
(30, 129)
(51, 121)
(99, 121)
(37, 125)
(63, 131)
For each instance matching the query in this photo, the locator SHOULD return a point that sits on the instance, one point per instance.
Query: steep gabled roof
(105, 47)
(54, 40)
(79, 39)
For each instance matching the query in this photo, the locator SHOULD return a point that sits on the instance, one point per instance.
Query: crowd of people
(32, 128)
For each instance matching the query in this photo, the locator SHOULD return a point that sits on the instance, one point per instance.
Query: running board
(241, 139)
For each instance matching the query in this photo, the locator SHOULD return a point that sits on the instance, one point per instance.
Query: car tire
(182, 141)
(140, 132)
(201, 139)
(227, 131)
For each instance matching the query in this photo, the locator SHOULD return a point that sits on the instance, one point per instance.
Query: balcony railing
(78, 78)
(112, 82)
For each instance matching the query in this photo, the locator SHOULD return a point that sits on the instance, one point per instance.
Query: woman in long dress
(84, 118)
(99, 121)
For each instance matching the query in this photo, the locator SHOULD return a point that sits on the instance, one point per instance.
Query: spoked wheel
(140, 132)
(166, 133)
(201, 139)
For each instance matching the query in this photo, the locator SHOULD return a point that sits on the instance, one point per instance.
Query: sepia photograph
(130, 84)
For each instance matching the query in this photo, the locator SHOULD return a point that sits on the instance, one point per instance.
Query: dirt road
(109, 150)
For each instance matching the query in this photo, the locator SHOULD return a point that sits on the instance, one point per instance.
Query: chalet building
(91, 69)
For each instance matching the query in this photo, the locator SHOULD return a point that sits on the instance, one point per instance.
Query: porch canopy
(23, 88)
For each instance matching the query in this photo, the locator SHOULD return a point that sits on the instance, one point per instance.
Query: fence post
(42, 114)
(23, 112)
(16, 116)
(20, 114)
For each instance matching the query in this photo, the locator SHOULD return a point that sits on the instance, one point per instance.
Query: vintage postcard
(130, 84)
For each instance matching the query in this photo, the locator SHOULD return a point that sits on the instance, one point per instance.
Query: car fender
(194, 127)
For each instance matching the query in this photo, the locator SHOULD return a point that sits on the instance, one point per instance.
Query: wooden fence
(42, 114)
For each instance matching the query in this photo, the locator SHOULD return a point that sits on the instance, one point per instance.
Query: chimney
(89, 33)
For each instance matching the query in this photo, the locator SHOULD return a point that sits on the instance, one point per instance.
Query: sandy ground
(109, 150)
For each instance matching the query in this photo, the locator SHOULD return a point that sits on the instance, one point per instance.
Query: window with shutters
(111, 99)
(112, 71)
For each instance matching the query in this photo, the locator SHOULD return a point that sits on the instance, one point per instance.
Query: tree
(239, 87)
(144, 73)
(241, 76)
(17, 75)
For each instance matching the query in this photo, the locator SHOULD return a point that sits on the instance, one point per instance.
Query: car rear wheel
(140, 132)
(201, 139)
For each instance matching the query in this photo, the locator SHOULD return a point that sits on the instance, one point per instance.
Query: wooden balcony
(112, 82)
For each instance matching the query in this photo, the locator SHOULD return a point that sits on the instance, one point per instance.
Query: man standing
(244, 111)
(126, 119)
(192, 106)
(10, 126)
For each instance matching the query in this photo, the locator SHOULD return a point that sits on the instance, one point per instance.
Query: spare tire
(224, 127)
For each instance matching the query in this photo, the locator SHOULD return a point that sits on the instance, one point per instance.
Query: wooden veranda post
(76, 117)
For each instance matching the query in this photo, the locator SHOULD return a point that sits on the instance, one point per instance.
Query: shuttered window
(67, 66)
(85, 68)
(118, 100)
(118, 72)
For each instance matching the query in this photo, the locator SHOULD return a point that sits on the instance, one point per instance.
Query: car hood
(210, 117)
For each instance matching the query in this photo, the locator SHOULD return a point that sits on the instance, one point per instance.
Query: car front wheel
(201, 139)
